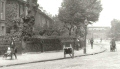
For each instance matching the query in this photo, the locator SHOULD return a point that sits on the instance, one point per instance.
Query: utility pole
(86, 23)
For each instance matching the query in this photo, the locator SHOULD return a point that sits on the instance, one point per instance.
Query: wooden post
(64, 51)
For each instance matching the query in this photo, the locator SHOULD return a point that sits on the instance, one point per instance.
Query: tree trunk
(69, 32)
(23, 46)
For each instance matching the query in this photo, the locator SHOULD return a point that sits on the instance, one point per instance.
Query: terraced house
(11, 10)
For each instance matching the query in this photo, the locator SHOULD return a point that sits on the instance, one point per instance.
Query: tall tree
(58, 26)
(11, 14)
(74, 12)
(28, 23)
(115, 28)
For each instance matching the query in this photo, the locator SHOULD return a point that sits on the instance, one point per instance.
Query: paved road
(106, 60)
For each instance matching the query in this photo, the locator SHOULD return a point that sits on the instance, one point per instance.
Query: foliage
(11, 14)
(115, 28)
(74, 12)
(28, 23)
(45, 30)
(58, 26)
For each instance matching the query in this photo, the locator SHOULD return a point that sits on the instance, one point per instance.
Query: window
(26, 11)
(2, 10)
(2, 28)
(48, 23)
(2, 7)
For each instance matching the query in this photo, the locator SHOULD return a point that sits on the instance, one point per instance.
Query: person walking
(13, 48)
(112, 45)
(91, 42)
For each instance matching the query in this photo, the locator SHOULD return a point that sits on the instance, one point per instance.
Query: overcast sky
(110, 11)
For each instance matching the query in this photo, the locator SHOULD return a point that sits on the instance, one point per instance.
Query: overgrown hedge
(38, 44)
(48, 44)
(5, 43)
(43, 44)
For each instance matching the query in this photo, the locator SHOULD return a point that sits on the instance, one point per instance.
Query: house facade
(2, 17)
(42, 21)
(11, 10)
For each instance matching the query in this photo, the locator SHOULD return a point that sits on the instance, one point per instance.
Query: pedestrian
(112, 45)
(91, 42)
(79, 45)
(13, 48)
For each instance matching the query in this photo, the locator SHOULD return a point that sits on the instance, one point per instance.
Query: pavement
(49, 56)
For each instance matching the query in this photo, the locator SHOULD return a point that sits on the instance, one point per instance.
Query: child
(7, 53)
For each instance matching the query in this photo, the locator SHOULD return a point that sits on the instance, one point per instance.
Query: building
(42, 21)
(98, 32)
(2, 17)
(11, 10)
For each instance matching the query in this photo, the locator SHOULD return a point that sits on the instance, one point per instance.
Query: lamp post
(86, 23)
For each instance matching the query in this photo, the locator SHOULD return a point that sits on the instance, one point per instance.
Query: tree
(28, 23)
(115, 28)
(58, 26)
(11, 14)
(74, 12)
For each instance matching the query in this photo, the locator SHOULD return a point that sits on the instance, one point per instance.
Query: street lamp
(86, 23)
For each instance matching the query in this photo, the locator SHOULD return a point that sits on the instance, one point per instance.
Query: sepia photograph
(59, 34)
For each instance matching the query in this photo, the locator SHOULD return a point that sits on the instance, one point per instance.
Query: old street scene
(59, 34)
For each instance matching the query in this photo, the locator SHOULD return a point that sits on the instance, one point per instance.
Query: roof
(39, 11)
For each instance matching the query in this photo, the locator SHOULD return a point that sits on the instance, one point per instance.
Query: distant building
(13, 9)
(98, 32)
(42, 21)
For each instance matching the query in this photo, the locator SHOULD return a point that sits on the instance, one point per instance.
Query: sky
(110, 10)
(51, 6)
